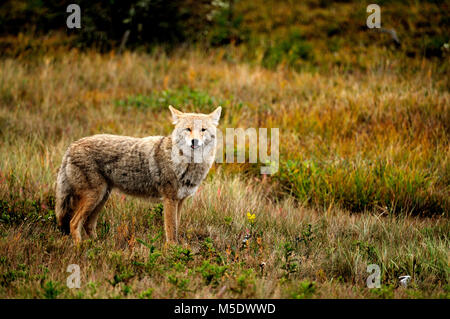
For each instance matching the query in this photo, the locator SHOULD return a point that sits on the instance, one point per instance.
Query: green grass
(158, 101)
(306, 253)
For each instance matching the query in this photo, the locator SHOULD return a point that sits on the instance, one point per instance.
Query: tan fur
(154, 167)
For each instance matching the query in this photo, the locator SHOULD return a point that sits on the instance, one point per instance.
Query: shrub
(292, 50)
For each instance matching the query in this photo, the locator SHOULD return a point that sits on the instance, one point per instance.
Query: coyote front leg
(180, 203)
(170, 219)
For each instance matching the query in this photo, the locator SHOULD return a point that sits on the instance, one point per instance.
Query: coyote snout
(170, 168)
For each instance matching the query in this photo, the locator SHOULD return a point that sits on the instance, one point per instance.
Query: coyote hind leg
(90, 224)
(89, 199)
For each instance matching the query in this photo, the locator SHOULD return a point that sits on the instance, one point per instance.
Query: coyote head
(195, 133)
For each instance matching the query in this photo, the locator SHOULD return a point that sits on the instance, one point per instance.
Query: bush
(290, 50)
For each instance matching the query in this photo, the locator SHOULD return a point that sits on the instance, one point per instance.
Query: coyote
(154, 167)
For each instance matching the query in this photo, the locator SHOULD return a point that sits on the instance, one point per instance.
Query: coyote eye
(203, 129)
(188, 129)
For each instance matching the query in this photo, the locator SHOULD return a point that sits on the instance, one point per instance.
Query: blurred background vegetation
(288, 32)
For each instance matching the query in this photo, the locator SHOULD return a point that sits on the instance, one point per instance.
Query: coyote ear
(215, 116)
(175, 114)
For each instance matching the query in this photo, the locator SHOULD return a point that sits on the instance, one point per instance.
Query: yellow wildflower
(251, 217)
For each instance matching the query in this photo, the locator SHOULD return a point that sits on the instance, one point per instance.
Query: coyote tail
(64, 199)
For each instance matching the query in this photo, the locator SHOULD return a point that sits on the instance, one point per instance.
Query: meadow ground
(363, 179)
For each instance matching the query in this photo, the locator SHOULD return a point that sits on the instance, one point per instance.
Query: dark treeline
(105, 23)
(288, 31)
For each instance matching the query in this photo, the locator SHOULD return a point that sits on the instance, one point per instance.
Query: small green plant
(305, 238)
(104, 229)
(211, 273)
(210, 252)
(244, 281)
(51, 290)
(153, 254)
(384, 292)
(10, 276)
(368, 249)
(289, 265)
(307, 235)
(147, 294)
(93, 253)
(181, 254)
(158, 210)
(123, 271)
(126, 290)
(92, 285)
(228, 220)
(155, 216)
(306, 289)
(181, 284)
(123, 276)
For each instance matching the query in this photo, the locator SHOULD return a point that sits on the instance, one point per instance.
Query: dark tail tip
(65, 224)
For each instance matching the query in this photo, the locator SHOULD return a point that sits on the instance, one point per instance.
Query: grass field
(361, 156)
(364, 175)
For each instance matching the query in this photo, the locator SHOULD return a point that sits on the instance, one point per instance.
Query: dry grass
(336, 128)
